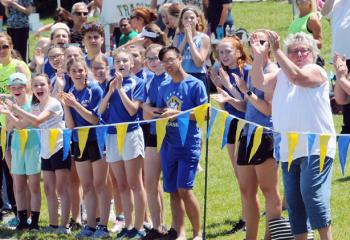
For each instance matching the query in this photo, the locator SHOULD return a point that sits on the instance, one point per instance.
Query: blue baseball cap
(17, 79)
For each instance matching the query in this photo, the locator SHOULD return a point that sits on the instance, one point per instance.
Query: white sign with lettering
(114, 10)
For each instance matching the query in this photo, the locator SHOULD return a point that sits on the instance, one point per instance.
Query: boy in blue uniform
(179, 162)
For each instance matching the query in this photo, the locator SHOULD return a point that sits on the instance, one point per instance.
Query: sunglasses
(88, 26)
(4, 47)
(80, 14)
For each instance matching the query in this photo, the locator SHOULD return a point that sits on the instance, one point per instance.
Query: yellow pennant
(240, 126)
(161, 130)
(200, 112)
(53, 135)
(222, 122)
(23, 137)
(324, 139)
(3, 140)
(292, 143)
(121, 132)
(256, 141)
(83, 134)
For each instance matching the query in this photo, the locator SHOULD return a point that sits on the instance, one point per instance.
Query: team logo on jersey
(174, 103)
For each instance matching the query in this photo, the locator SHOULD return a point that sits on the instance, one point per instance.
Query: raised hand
(256, 47)
(221, 97)
(39, 56)
(274, 39)
(339, 63)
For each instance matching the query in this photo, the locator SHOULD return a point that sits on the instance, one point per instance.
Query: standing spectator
(79, 15)
(339, 11)
(218, 22)
(17, 13)
(127, 32)
(301, 88)
(142, 16)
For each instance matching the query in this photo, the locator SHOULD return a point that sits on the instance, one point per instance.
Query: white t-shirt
(300, 109)
(340, 19)
(55, 121)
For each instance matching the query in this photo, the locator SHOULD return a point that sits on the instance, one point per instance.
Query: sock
(35, 218)
(22, 215)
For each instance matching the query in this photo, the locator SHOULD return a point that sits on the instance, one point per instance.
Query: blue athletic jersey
(48, 69)
(104, 116)
(228, 107)
(145, 74)
(68, 82)
(187, 94)
(90, 98)
(151, 91)
(117, 111)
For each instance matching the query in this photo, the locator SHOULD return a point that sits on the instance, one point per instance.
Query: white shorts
(133, 146)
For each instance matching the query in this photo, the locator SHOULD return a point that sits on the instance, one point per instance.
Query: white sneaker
(63, 230)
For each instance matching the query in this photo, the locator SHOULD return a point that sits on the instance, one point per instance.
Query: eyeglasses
(4, 47)
(94, 26)
(80, 14)
(302, 51)
(53, 57)
(169, 61)
(152, 59)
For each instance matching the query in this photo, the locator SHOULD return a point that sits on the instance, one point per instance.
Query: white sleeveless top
(301, 109)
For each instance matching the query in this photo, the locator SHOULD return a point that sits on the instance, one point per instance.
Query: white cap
(59, 25)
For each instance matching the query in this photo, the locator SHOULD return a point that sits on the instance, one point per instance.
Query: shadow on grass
(343, 179)
(6, 233)
(227, 223)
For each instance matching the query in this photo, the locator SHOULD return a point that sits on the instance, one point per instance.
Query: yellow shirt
(6, 71)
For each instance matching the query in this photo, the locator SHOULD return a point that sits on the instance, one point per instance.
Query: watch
(249, 93)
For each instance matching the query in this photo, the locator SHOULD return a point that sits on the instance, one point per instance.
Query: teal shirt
(124, 39)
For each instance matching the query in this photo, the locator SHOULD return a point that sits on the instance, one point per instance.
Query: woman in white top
(300, 104)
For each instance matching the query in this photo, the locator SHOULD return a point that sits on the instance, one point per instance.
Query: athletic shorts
(179, 166)
(132, 148)
(231, 136)
(28, 163)
(264, 152)
(91, 152)
(56, 162)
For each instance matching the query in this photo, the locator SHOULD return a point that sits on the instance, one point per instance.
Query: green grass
(223, 202)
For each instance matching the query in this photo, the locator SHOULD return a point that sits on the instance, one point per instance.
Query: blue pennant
(343, 146)
(213, 114)
(67, 137)
(276, 142)
(227, 128)
(310, 143)
(101, 134)
(183, 120)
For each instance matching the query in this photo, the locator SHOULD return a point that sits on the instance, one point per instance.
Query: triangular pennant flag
(343, 146)
(292, 143)
(3, 140)
(310, 143)
(200, 112)
(183, 120)
(251, 129)
(67, 137)
(212, 118)
(222, 118)
(161, 130)
(121, 133)
(324, 139)
(101, 133)
(23, 137)
(83, 134)
(227, 129)
(276, 145)
(256, 141)
(240, 126)
(53, 135)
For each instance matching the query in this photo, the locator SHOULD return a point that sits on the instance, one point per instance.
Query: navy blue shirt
(117, 111)
(90, 98)
(184, 95)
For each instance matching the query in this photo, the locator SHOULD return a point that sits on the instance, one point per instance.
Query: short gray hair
(75, 5)
(304, 39)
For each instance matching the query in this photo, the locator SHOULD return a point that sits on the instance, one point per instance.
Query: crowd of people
(165, 62)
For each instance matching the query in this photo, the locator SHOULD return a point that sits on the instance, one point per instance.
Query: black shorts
(150, 139)
(91, 152)
(264, 152)
(145, 130)
(56, 162)
(231, 136)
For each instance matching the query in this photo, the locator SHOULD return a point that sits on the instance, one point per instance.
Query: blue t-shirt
(228, 107)
(117, 111)
(48, 69)
(90, 98)
(184, 95)
(144, 75)
(151, 91)
(104, 116)
(68, 82)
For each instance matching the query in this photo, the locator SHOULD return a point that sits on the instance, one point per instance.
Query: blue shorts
(179, 166)
(308, 193)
